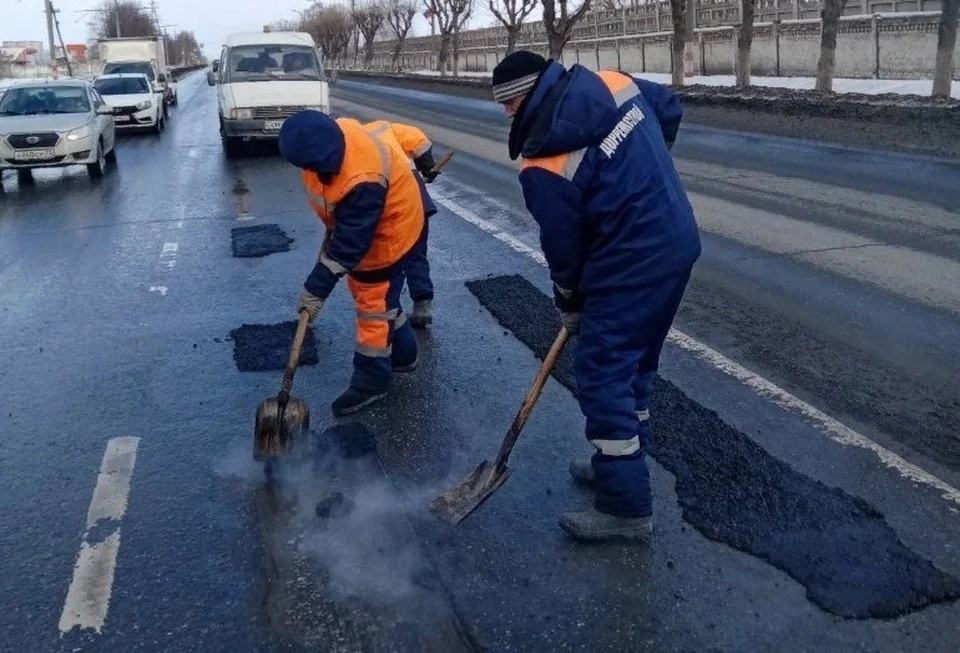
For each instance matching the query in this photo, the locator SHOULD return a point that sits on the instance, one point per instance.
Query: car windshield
(122, 86)
(33, 100)
(119, 67)
(254, 63)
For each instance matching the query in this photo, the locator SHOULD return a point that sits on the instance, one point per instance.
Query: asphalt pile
(838, 546)
(266, 347)
(259, 240)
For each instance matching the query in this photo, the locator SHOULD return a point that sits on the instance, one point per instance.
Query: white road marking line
(180, 224)
(169, 249)
(160, 289)
(245, 217)
(88, 597)
(832, 428)
(192, 153)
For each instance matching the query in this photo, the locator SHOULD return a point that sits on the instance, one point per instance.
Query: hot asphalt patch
(837, 545)
(264, 347)
(259, 240)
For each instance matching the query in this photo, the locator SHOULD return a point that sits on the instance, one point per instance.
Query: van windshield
(264, 63)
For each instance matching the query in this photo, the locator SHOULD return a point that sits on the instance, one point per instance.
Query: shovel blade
(467, 495)
(271, 439)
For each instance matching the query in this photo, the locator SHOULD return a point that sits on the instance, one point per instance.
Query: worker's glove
(310, 303)
(571, 321)
(425, 164)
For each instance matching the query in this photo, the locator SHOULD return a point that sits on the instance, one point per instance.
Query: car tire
(95, 169)
(231, 147)
(111, 156)
(24, 176)
(160, 125)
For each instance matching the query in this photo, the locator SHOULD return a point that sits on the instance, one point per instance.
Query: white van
(263, 79)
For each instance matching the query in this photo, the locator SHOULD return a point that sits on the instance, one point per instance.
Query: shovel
(467, 495)
(281, 420)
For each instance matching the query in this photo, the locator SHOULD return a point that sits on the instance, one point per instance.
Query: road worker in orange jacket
(417, 148)
(370, 203)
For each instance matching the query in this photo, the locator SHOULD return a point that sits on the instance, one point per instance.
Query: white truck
(139, 54)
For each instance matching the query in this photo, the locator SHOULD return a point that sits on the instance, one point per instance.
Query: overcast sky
(210, 20)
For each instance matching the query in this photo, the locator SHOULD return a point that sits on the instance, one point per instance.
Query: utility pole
(48, 8)
(66, 55)
(116, 15)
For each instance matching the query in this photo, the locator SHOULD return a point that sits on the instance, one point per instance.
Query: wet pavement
(117, 303)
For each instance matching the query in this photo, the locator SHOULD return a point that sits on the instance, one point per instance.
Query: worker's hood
(312, 140)
(49, 122)
(564, 112)
(283, 92)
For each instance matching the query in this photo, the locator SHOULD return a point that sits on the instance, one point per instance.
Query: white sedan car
(54, 123)
(134, 102)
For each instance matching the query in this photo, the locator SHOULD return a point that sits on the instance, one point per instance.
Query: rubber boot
(422, 313)
(594, 526)
(353, 400)
(581, 469)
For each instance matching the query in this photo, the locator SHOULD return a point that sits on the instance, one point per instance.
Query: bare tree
(369, 18)
(560, 27)
(946, 44)
(127, 16)
(614, 5)
(745, 42)
(512, 13)
(829, 22)
(182, 48)
(451, 16)
(331, 27)
(678, 9)
(462, 10)
(400, 14)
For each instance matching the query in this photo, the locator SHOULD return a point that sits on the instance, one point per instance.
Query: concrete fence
(883, 45)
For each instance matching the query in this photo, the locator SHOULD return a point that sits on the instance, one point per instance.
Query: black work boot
(408, 367)
(353, 400)
(595, 526)
(581, 469)
(422, 313)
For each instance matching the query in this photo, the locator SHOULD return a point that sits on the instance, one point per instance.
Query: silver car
(54, 123)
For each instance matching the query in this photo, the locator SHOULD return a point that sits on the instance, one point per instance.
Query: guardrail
(179, 71)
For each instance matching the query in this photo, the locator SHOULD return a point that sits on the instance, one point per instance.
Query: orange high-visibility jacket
(372, 209)
(407, 139)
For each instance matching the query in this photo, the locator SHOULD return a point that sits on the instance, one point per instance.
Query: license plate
(272, 125)
(122, 118)
(33, 155)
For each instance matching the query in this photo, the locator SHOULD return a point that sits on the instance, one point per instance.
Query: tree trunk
(677, 10)
(513, 34)
(946, 44)
(444, 54)
(744, 43)
(829, 21)
(368, 54)
(397, 51)
(456, 52)
(556, 41)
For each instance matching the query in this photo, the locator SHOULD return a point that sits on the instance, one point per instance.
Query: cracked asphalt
(828, 274)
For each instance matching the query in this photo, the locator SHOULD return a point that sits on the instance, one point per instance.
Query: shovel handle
(294, 359)
(444, 160)
(549, 361)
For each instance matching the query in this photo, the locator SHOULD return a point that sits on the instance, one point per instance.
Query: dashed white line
(834, 429)
(169, 254)
(88, 597)
(159, 289)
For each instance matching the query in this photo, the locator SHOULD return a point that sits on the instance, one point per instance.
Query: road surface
(806, 461)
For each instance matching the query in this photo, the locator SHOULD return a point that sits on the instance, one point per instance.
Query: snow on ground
(840, 85)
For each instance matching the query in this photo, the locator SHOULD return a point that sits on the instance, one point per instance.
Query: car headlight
(241, 114)
(81, 132)
(146, 104)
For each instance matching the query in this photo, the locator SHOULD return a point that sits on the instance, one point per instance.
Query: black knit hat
(516, 74)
